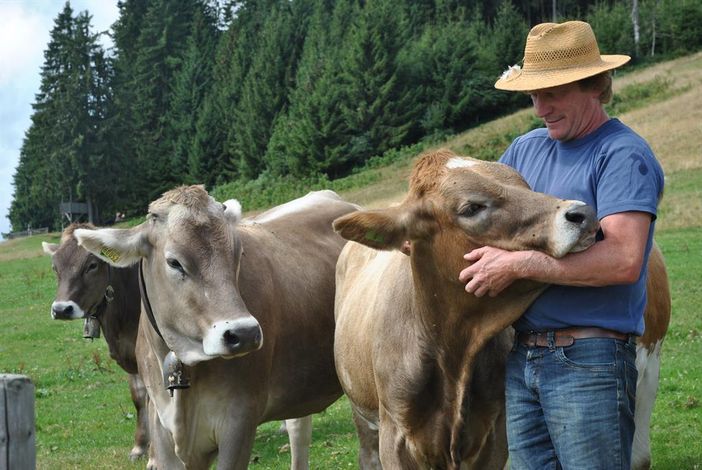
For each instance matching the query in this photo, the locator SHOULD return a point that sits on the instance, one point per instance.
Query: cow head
(190, 253)
(83, 278)
(456, 204)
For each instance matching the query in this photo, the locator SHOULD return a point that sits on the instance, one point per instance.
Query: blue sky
(24, 34)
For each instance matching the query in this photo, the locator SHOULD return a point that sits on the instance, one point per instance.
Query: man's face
(568, 111)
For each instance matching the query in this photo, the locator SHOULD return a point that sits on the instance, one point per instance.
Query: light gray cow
(246, 306)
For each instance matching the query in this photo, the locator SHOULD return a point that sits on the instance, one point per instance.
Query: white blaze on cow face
(458, 162)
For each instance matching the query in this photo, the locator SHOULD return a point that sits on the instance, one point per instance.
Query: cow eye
(471, 209)
(175, 264)
(91, 267)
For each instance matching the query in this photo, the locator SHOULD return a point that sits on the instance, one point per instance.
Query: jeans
(571, 407)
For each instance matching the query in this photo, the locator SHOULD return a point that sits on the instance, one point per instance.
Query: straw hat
(556, 54)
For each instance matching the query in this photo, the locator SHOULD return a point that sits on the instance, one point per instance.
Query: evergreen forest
(214, 92)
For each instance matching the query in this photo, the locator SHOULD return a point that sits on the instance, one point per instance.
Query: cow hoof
(137, 453)
(151, 464)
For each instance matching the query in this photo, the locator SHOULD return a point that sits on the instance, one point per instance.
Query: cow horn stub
(174, 376)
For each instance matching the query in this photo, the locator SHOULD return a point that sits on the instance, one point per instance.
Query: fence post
(17, 441)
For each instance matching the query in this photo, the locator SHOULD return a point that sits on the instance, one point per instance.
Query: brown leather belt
(566, 336)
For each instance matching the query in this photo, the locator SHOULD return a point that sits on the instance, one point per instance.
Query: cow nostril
(575, 217)
(64, 310)
(231, 339)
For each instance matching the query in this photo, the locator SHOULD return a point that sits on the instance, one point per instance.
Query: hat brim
(528, 80)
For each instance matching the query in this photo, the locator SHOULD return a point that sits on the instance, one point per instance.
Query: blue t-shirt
(613, 170)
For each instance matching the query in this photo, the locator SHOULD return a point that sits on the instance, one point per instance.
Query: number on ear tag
(110, 253)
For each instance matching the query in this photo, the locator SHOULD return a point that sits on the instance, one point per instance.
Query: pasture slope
(84, 415)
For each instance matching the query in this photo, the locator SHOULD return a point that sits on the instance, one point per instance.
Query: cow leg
(392, 445)
(162, 449)
(300, 437)
(648, 366)
(141, 434)
(368, 454)
(492, 454)
(236, 444)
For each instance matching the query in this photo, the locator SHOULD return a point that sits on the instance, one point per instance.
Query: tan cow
(247, 306)
(421, 361)
(90, 289)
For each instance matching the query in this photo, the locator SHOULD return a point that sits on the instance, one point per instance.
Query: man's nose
(541, 109)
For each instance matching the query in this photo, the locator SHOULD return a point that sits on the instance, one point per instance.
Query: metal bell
(174, 373)
(91, 328)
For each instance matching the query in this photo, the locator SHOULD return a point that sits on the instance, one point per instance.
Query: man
(571, 376)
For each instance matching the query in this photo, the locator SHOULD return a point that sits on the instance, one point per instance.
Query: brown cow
(422, 361)
(247, 306)
(89, 288)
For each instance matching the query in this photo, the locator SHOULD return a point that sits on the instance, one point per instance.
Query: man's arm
(615, 260)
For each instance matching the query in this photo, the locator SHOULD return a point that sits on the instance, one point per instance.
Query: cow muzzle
(233, 338)
(62, 310)
(575, 229)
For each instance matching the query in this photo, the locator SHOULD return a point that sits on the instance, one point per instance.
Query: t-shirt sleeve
(629, 178)
(508, 157)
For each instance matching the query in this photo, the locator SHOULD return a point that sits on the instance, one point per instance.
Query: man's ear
(387, 229)
(49, 248)
(119, 247)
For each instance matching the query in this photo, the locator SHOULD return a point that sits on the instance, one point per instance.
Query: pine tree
(312, 137)
(64, 152)
(210, 158)
(191, 84)
(267, 83)
(379, 107)
(122, 122)
(161, 47)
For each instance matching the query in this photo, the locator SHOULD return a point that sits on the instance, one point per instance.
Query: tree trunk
(635, 22)
(653, 28)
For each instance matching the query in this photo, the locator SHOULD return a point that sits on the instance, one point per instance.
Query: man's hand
(492, 271)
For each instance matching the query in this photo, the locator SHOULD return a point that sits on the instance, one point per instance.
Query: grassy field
(84, 415)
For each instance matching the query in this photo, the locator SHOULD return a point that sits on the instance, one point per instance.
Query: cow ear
(386, 229)
(119, 247)
(49, 248)
(379, 229)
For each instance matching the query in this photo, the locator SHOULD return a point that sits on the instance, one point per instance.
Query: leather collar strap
(145, 301)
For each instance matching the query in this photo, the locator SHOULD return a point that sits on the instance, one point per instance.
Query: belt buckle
(533, 339)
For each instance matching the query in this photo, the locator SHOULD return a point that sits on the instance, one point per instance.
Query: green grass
(677, 419)
(637, 95)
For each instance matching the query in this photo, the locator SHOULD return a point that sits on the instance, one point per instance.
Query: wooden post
(17, 442)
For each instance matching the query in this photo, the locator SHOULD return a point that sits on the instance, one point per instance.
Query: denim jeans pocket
(593, 354)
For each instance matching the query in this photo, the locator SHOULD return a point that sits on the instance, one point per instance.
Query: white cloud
(23, 36)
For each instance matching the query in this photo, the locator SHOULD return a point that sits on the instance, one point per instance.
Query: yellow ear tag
(373, 236)
(110, 253)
